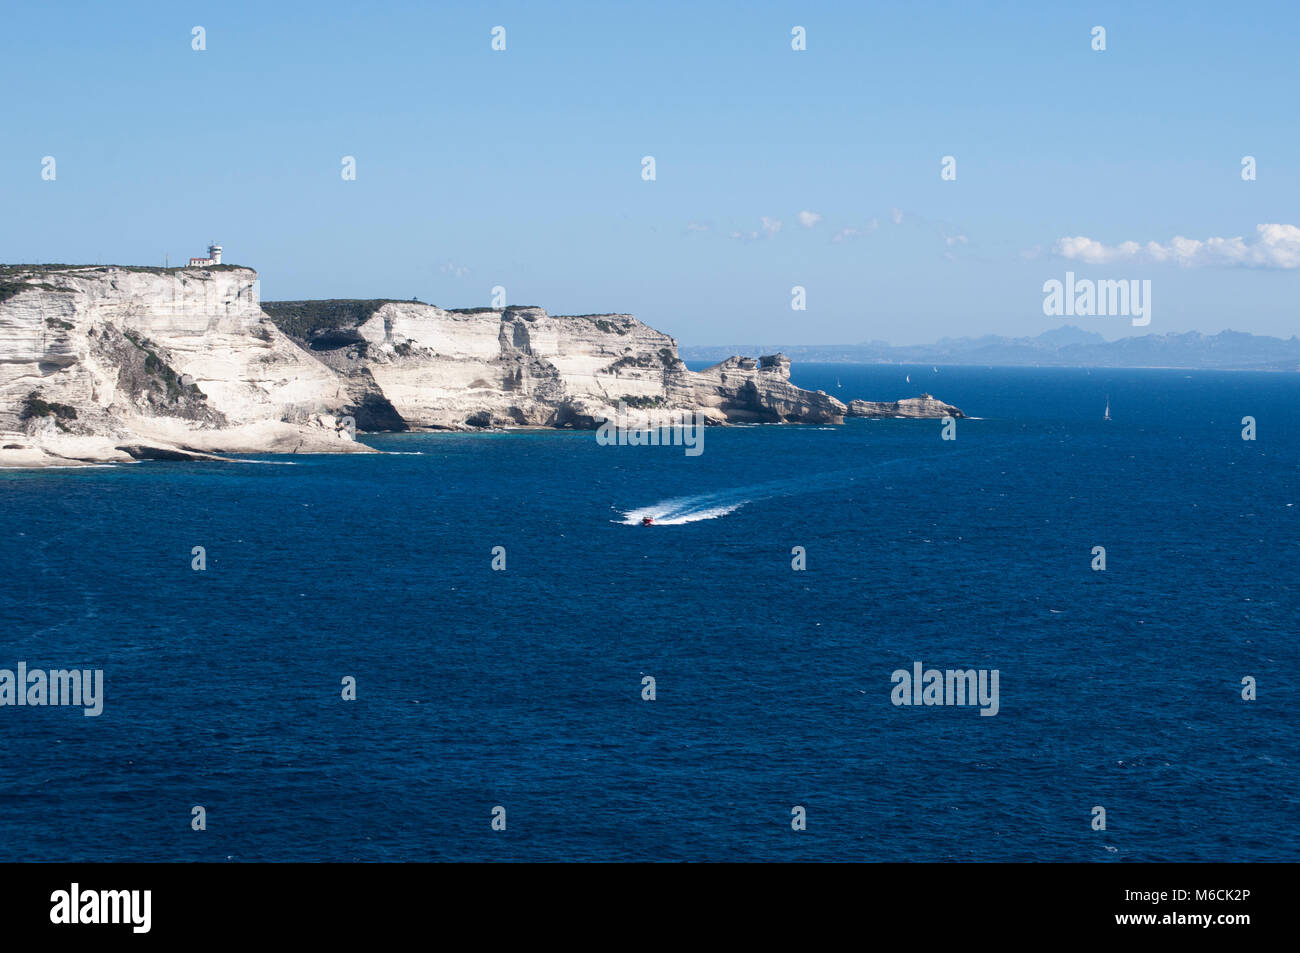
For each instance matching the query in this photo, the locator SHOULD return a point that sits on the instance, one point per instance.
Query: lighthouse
(214, 257)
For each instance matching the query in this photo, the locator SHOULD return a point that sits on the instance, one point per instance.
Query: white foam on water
(711, 506)
(686, 509)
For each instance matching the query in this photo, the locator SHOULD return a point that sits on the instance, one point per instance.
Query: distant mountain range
(1063, 347)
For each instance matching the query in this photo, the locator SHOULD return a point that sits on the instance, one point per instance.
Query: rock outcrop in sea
(923, 406)
(113, 363)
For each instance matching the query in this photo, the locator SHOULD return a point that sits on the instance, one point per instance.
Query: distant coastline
(1061, 347)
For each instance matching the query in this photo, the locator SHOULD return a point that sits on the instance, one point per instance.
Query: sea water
(524, 688)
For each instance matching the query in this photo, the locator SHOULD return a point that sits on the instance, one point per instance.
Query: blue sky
(522, 168)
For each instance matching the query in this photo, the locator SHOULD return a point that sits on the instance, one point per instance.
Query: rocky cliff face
(520, 366)
(923, 406)
(113, 363)
(493, 368)
(744, 389)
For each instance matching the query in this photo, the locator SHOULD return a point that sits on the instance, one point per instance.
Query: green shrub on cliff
(10, 288)
(302, 319)
(34, 406)
(155, 366)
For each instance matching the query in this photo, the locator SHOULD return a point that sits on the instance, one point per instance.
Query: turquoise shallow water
(523, 688)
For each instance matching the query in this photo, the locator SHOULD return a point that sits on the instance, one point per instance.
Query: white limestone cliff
(760, 391)
(509, 367)
(115, 363)
(923, 406)
(112, 363)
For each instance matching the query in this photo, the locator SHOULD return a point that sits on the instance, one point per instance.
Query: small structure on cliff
(214, 257)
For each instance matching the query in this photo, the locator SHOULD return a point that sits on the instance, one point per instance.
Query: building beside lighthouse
(214, 258)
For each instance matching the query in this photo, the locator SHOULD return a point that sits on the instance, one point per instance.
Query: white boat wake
(711, 506)
(685, 509)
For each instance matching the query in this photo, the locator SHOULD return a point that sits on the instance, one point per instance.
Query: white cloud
(844, 234)
(896, 216)
(1273, 246)
(460, 271)
(809, 219)
(696, 227)
(951, 242)
(770, 226)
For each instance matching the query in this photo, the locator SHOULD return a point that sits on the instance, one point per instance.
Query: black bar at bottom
(336, 902)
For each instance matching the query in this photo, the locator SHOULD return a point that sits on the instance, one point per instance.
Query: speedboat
(647, 521)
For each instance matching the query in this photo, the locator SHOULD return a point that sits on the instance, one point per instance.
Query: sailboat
(1107, 417)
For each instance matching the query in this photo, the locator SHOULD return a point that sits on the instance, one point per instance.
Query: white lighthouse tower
(214, 257)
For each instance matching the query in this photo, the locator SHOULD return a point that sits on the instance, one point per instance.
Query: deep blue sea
(522, 688)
